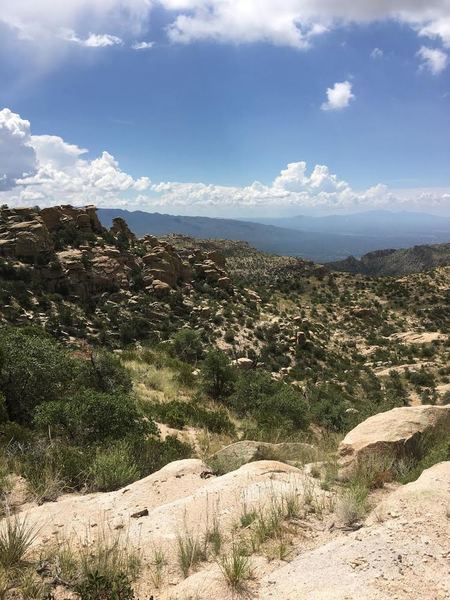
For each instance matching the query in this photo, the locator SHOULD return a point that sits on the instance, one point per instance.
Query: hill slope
(396, 262)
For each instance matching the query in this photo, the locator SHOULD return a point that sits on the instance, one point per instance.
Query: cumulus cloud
(17, 155)
(433, 59)
(284, 22)
(339, 96)
(46, 170)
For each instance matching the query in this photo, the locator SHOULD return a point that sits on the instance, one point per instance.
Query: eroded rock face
(395, 433)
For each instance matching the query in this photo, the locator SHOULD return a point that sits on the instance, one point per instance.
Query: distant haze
(321, 239)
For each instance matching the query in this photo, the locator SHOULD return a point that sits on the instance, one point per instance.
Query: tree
(218, 375)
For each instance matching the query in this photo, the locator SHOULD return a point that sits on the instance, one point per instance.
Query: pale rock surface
(395, 433)
(402, 554)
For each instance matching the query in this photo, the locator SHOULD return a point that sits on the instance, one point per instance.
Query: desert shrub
(16, 538)
(273, 404)
(106, 570)
(112, 468)
(430, 453)
(178, 414)
(33, 369)
(152, 454)
(105, 373)
(187, 345)
(93, 417)
(218, 374)
(328, 404)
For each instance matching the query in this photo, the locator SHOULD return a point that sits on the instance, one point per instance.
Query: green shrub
(187, 345)
(152, 454)
(113, 468)
(33, 369)
(273, 404)
(105, 373)
(93, 417)
(178, 414)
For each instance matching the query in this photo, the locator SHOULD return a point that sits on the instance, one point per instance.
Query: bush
(178, 414)
(152, 454)
(33, 369)
(106, 373)
(93, 417)
(218, 375)
(113, 468)
(187, 345)
(271, 403)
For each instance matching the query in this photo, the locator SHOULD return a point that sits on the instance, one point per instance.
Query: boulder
(240, 453)
(244, 363)
(160, 288)
(393, 434)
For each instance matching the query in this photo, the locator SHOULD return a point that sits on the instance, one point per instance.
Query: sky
(232, 108)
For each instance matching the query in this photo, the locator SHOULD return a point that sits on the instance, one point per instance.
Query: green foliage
(16, 537)
(105, 373)
(152, 454)
(112, 468)
(99, 587)
(93, 417)
(218, 375)
(179, 414)
(33, 369)
(187, 345)
(273, 404)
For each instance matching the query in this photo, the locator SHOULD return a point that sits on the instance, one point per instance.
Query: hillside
(181, 417)
(284, 239)
(396, 262)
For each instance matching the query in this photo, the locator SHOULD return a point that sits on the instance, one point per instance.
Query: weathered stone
(392, 434)
(235, 455)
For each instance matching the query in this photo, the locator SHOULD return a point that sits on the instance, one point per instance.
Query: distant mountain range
(396, 262)
(322, 239)
(384, 223)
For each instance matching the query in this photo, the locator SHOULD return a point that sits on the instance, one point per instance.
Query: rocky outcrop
(393, 434)
(85, 219)
(403, 554)
(74, 254)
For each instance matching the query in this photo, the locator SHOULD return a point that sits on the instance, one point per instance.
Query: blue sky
(189, 124)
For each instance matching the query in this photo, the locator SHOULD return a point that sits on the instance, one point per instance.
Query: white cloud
(93, 40)
(17, 156)
(339, 96)
(377, 53)
(143, 45)
(433, 59)
(47, 170)
(281, 22)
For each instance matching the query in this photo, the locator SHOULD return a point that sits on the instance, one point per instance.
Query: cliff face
(396, 262)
